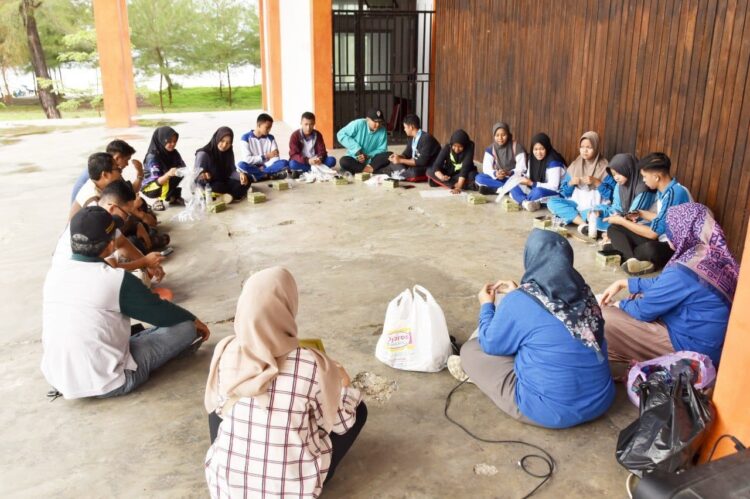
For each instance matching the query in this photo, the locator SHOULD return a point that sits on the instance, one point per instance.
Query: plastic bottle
(209, 195)
(592, 221)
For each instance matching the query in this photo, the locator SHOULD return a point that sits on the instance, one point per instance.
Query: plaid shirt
(280, 451)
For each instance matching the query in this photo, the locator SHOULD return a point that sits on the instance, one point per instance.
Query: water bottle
(592, 224)
(209, 195)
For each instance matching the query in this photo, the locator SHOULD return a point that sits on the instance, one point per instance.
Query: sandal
(158, 205)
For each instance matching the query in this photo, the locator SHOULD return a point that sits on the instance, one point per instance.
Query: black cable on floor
(546, 458)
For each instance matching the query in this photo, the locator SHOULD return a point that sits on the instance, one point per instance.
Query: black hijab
(538, 169)
(221, 164)
(164, 158)
(627, 166)
(551, 280)
(460, 137)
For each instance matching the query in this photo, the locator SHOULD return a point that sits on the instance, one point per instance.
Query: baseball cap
(376, 115)
(95, 223)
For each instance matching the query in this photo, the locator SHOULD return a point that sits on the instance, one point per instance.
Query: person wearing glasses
(103, 170)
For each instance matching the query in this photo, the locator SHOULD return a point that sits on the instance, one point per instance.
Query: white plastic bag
(195, 203)
(415, 334)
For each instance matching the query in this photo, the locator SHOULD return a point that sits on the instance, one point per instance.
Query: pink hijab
(265, 333)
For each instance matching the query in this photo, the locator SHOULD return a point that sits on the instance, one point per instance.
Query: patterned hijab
(627, 166)
(597, 167)
(505, 155)
(551, 280)
(700, 246)
(245, 363)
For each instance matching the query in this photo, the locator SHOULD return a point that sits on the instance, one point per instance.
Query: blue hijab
(552, 281)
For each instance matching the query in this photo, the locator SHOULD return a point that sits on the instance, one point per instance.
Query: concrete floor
(352, 249)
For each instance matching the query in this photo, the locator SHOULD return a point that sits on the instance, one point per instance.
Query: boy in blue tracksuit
(260, 153)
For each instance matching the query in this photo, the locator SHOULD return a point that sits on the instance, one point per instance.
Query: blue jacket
(673, 195)
(560, 382)
(695, 313)
(642, 201)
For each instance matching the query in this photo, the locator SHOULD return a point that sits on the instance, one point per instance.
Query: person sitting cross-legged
(260, 154)
(292, 410)
(540, 355)
(418, 155)
(87, 308)
(454, 167)
(307, 147)
(215, 162)
(366, 143)
(687, 306)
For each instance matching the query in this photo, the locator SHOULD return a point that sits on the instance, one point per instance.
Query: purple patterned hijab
(700, 246)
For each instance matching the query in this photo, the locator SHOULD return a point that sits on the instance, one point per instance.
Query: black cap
(376, 115)
(95, 223)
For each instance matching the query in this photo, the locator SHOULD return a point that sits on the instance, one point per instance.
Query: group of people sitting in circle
(281, 417)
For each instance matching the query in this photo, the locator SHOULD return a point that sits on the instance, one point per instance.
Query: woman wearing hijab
(215, 162)
(281, 417)
(161, 163)
(454, 167)
(583, 187)
(687, 306)
(541, 355)
(504, 158)
(630, 192)
(541, 181)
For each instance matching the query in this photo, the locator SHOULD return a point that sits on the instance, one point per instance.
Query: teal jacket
(356, 136)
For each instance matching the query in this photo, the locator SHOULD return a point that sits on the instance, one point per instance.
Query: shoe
(454, 367)
(486, 191)
(635, 267)
(295, 174)
(583, 230)
(531, 205)
(227, 198)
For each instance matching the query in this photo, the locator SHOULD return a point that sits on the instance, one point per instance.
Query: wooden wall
(648, 75)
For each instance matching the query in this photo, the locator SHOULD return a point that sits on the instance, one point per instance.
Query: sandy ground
(352, 249)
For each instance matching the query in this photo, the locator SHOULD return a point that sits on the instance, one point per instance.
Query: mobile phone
(167, 251)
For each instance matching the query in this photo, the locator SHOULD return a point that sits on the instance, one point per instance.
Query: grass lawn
(183, 100)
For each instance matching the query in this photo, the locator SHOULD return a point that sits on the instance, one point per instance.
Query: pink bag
(703, 371)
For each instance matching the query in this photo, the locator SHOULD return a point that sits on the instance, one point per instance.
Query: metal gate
(381, 58)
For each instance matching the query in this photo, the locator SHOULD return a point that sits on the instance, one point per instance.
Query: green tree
(47, 96)
(228, 37)
(160, 31)
(13, 51)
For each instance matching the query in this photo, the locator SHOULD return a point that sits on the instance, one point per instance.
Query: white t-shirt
(88, 191)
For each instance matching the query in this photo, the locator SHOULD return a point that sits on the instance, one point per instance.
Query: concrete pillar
(321, 51)
(115, 62)
(733, 380)
(270, 57)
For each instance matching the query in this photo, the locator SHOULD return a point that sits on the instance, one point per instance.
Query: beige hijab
(265, 332)
(596, 167)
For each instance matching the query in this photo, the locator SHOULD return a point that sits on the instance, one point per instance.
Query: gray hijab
(505, 156)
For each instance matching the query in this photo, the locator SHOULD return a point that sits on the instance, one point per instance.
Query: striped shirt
(281, 450)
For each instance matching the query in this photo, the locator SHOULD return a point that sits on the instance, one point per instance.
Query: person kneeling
(87, 307)
(454, 167)
(291, 409)
(541, 355)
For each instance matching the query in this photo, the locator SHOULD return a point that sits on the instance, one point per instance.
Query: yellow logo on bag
(398, 340)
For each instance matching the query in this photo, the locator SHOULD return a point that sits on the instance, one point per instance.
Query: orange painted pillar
(733, 380)
(263, 61)
(270, 46)
(321, 32)
(115, 62)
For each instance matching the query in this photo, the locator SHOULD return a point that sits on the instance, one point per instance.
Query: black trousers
(378, 162)
(469, 184)
(339, 443)
(631, 245)
(229, 186)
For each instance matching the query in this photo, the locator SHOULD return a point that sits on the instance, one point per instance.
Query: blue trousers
(520, 196)
(151, 349)
(489, 181)
(82, 178)
(567, 209)
(329, 161)
(255, 171)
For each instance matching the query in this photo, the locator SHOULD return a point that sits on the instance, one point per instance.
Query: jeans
(151, 349)
(82, 178)
(255, 171)
(329, 161)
